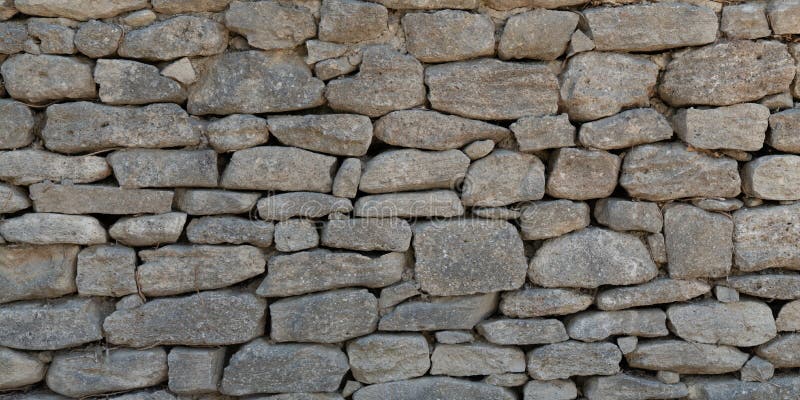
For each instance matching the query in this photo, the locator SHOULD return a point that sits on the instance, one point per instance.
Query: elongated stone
(630, 387)
(503, 177)
(766, 237)
(431, 130)
(547, 219)
(769, 286)
(658, 291)
(213, 202)
(571, 358)
(233, 230)
(237, 132)
(148, 230)
(782, 352)
(699, 243)
(746, 127)
(327, 317)
(591, 326)
(523, 331)
(429, 4)
(403, 170)
(25, 167)
(41, 78)
(557, 389)
(131, 82)
(37, 272)
(626, 129)
(434, 203)
(433, 388)
(181, 36)
(338, 134)
(448, 35)
(81, 10)
(384, 357)
(544, 132)
(188, 6)
(538, 302)
(270, 25)
(284, 206)
(772, 177)
(98, 199)
(742, 323)
(367, 234)
(440, 313)
(16, 124)
(212, 318)
(136, 168)
(279, 168)
(623, 215)
(685, 357)
(19, 369)
(476, 359)
(48, 228)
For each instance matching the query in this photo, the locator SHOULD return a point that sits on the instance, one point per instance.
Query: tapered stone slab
(440, 313)
(571, 358)
(476, 359)
(767, 237)
(503, 177)
(433, 203)
(631, 387)
(686, 357)
(404, 170)
(431, 130)
(657, 291)
(284, 206)
(49, 228)
(98, 199)
(591, 326)
(19, 369)
(327, 317)
(181, 36)
(338, 134)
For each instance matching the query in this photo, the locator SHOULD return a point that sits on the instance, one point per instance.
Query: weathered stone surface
(40, 78)
(766, 237)
(727, 73)
(467, 88)
(204, 319)
(730, 388)
(571, 358)
(539, 302)
(367, 234)
(597, 84)
(430, 130)
(36, 272)
(304, 368)
(237, 132)
(25, 167)
(503, 177)
(52, 324)
(269, 24)
(649, 27)
(479, 149)
(782, 128)
(757, 369)
(195, 371)
(667, 171)
(48, 228)
(591, 326)
(476, 359)
(742, 323)
(448, 35)
(495, 213)
(547, 219)
(283, 206)
(433, 203)
(546, 132)
(699, 243)
(386, 81)
(433, 388)
(506, 380)
(13, 199)
(96, 371)
(769, 286)
(78, 9)
(295, 234)
(51, 36)
(14, 34)
(148, 230)
(98, 39)
(658, 291)
(327, 317)
(784, 16)
(181, 36)
(685, 357)
(626, 129)
(251, 82)
(106, 270)
(384, 357)
(538, 34)
(408, 169)
(279, 168)
(181, 268)
(347, 179)
(772, 177)
(594, 257)
(440, 313)
(630, 387)
(188, 6)
(212, 202)
(136, 168)
(16, 124)
(789, 317)
(580, 174)
(724, 205)
(745, 21)
(131, 82)
(455, 337)
(19, 369)
(234, 230)
(782, 352)
(523, 331)
(97, 199)
(338, 134)
(745, 127)
(557, 389)
(351, 21)
(624, 215)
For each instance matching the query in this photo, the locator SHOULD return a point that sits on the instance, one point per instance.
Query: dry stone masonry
(400, 199)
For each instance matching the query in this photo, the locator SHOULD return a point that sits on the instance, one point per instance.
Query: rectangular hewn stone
(106, 270)
(25, 167)
(195, 371)
(699, 243)
(279, 168)
(220, 229)
(745, 127)
(211, 202)
(476, 359)
(766, 237)
(433, 203)
(37, 272)
(49, 228)
(283, 206)
(367, 234)
(136, 168)
(404, 170)
(98, 199)
(685, 357)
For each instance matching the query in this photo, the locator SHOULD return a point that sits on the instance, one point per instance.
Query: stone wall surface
(399, 199)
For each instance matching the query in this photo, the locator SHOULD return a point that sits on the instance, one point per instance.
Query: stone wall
(399, 200)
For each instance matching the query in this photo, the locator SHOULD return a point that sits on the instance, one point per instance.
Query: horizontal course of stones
(399, 200)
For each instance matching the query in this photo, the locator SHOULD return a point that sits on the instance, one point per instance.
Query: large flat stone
(571, 358)
(544, 132)
(270, 25)
(512, 331)
(131, 82)
(220, 229)
(283, 206)
(433, 388)
(686, 357)
(237, 132)
(745, 127)
(25, 167)
(448, 35)
(432, 203)
(699, 243)
(81, 10)
(624, 215)
(547, 219)
(327, 317)
(658, 291)
(768, 286)
(37, 272)
(431, 130)
(137, 168)
(182, 36)
(766, 237)
(48, 228)
(476, 359)
(539, 302)
(279, 168)
(409, 169)
(774, 177)
(631, 387)
(213, 202)
(782, 352)
(385, 357)
(743, 323)
(42, 78)
(338, 134)
(98, 199)
(367, 234)
(538, 34)
(503, 177)
(626, 129)
(439, 313)
(592, 326)
(731, 388)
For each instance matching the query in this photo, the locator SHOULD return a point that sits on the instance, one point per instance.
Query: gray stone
(668, 171)
(351, 21)
(782, 352)
(431, 130)
(433, 388)
(367, 234)
(745, 127)
(460, 257)
(52, 324)
(433, 203)
(731, 388)
(686, 357)
(211, 318)
(327, 317)
(181, 36)
(727, 73)
(440, 313)
(658, 291)
(723, 205)
(182, 268)
(699, 243)
(782, 128)
(270, 25)
(668, 377)
(757, 369)
(766, 237)
(78, 9)
(658, 247)
(429, 4)
(495, 213)
(329, 69)
(557, 389)
(338, 134)
(188, 6)
(226, 229)
(597, 84)
(98, 199)
(503, 177)
(571, 358)
(36, 272)
(387, 81)
(349, 388)
(725, 294)
(213, 202)
(13, 198)
(147, 394)
(148, 230)
(454, 337)
(252, 82)
(479, 149)
(279, 168)
(98, 39)
(649, 27)
(304, 368)
(624, 215)
(506, 380)
(295, 234)
(16, 124)
(448, 35)
(131, 82)
(592, 326)
(41, 78)
(384, 357)
(784, 15)
(627, 344)
(136, 168)
(396, 294)
(195, 371)
(590, 258)
(408, 169)
(745, 21)
(539, 302)
(545, 132)
(347, 179)
(106, 270)
(280, 207)
(14, 34)
(769, 286)
(631, 387)
(789, 317)
(476, 359)
(468, 89)
(237, 132)
(743, 323)
(579, 43)
(52, 36)
(579, 174)
(626, 129)
(772, 177)
(25, 167)
(19, 369)
(538, 34)
(523, 331)
(139, 18)
(48, 228)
